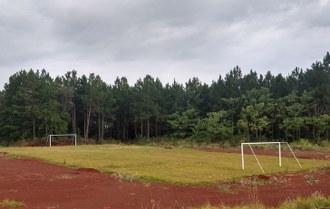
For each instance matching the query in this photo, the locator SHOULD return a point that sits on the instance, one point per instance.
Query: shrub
(325, 143)
(304, 144)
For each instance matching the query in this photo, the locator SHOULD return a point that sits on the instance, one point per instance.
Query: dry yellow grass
(177, 165)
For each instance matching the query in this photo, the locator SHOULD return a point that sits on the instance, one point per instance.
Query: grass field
(177, 165)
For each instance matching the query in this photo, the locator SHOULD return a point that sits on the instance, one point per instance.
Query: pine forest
(233, 108)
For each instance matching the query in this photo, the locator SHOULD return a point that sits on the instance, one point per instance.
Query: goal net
(267, 143)
(62, 139)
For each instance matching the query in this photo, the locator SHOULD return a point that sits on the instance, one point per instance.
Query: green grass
(11, 203)
(316, 201)
(177, 165)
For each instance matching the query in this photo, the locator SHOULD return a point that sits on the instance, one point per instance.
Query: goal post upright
(255, 156)
(242, 154)
(279, 154)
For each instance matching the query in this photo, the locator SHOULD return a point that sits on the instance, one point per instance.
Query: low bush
(325, 143)
(304, 144)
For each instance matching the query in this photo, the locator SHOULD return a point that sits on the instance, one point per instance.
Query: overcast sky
(168, 39)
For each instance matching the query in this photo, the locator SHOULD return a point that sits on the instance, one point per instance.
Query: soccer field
(177, 165)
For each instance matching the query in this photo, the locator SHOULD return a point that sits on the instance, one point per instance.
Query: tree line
(250, 107)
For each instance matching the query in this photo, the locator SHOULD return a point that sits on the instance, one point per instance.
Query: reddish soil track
(42, 185)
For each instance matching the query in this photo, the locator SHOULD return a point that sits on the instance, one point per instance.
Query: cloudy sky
(169, 39)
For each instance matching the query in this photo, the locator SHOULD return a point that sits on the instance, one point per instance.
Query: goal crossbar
(56, 135)
(255, 156)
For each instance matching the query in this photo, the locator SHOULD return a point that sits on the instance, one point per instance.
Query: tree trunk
(118, 125)
(135, 129)
(34, 128)
(232, 125)
(88, 115)
(148, 127)
(99, 127)
(46, 127)
(84, 125)
(102, 127)
(273, 130)
(73, 120)
(156, 128)
(124, 128)
(141, 127)
(286, 135)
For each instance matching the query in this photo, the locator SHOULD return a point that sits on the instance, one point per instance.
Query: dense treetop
(237, 107)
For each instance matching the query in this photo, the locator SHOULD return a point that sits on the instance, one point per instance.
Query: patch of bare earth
(46, 186)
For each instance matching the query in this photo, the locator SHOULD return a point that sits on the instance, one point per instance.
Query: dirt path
(42, 185)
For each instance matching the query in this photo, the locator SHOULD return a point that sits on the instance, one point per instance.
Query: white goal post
(265, 143)
(50, 137)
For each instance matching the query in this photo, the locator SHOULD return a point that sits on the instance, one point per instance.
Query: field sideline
(177, 165)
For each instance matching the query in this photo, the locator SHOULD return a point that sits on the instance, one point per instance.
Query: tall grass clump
(11, 203)
(316, 201)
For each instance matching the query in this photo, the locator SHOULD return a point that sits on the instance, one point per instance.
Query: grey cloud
(161, 36)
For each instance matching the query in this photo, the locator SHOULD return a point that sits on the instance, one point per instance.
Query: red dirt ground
(42, 185)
